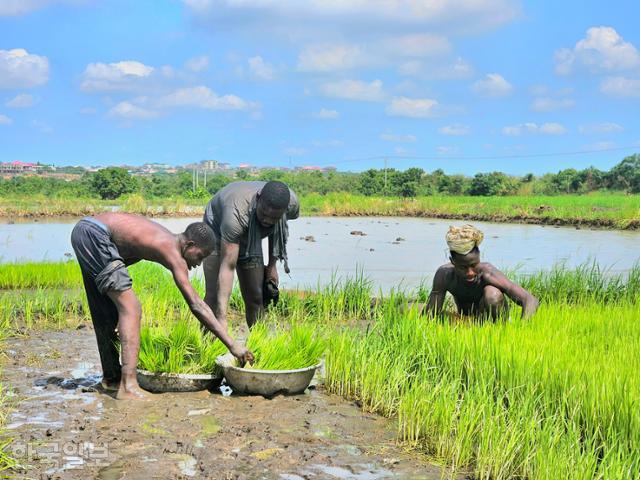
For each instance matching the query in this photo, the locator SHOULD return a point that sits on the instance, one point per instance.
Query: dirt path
(64, 428)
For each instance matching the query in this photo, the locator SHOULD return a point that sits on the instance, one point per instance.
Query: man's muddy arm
(438, 293)
(515, 292)
(204, 314)
(228, 259)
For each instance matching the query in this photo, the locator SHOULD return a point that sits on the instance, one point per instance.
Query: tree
(489, 184)
(371, 182)
(626, 175)
(112, 182)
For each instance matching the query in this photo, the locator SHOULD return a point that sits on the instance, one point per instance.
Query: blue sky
(464, 85)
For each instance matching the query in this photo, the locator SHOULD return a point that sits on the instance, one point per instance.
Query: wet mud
(63, 426)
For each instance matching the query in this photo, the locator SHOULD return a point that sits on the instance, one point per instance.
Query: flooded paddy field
(391, 251)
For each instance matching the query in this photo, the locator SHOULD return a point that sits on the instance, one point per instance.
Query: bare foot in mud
(110, 385)
(132, 393)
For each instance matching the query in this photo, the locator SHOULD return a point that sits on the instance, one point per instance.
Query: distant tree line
(113, 182)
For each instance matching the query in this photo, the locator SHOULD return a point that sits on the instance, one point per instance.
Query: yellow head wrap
(463, 239)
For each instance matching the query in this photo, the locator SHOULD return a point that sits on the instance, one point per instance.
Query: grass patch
(595, 209)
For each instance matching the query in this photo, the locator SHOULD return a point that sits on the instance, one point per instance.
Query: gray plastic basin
(175, 382)
(265, 382)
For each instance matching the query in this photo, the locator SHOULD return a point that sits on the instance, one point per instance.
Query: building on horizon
(17, 167)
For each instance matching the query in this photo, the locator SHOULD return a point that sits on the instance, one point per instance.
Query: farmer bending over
(478, 288)
(241, 215)
(104, 246)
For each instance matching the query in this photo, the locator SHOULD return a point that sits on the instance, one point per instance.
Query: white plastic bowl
(265, 382)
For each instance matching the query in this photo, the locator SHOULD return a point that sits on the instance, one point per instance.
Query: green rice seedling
(299, 346)
(39, 275)
(178, 347)
(548, 398)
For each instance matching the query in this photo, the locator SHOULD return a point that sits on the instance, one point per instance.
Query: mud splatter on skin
(187, 435)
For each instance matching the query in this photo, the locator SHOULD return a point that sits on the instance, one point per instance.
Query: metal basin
(176, 382)
(265, 382)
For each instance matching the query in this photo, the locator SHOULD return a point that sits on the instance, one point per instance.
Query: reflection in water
(392, 252)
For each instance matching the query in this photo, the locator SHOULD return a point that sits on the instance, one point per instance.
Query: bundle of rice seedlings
(178, 347)
(299, 346)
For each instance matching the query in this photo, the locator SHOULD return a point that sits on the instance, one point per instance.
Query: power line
(484, 157)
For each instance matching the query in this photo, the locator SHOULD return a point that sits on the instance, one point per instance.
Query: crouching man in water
(241, 215)
(104, 246)
(478, 288)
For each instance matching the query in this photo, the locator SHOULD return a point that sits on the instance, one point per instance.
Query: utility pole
(205, 179)
(193, 180)
(385, 175)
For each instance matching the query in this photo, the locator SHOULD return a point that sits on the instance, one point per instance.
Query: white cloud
(455, 130)
(415, 45)
(602, 50)
(387, 51)
(326, 114)
(550, 128)
(4, 120)
(23, 100)
(197, 64)
(440, 70)
(354, 90)
(621, 87)
(493, 85)
(88, 111)
(261, 69)
(380, 15)
(605, 127)
(22, 7)
(392, 137)
(203, 97)
(130, 111)
(124, 76)
(328, 58)
(20, 69)
(548, 104)
(412, 107)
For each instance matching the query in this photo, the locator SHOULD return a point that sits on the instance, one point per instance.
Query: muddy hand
(242, 353)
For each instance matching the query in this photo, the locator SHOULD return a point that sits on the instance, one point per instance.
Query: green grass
(179, 347)
(603, 210)
(596, 209)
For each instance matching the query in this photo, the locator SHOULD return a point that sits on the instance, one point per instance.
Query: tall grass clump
(554, 397)
(279, 348)
(178, 347)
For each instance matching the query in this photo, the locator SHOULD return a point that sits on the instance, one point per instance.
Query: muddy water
(65, 428)
(392, 251)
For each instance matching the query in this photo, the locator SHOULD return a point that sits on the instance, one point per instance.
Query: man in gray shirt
(241, 215)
